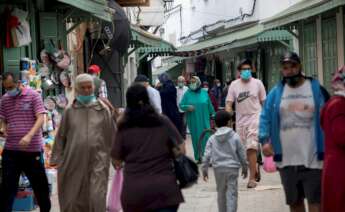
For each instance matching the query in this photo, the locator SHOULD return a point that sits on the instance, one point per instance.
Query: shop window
(329, 49)
(310, 50)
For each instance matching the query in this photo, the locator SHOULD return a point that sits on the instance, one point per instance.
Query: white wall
(197, 13)
(130, 71)
(152, 15)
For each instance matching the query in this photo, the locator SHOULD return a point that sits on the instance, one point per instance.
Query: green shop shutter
(12, 59)
(52, 27)
(273, 56)
(329, 50)
(310, 50)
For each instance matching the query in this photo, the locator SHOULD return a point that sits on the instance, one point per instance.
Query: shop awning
(142, 38)
(249, 36)
(302, 10)
(98, 8)
(274, 35)
(146, 43)
(223, 39)
(174, 70)
(266, 36)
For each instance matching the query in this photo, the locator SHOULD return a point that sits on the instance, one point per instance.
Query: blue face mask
(193, 86)
(246, 74)
(14, 92)
(85, 99)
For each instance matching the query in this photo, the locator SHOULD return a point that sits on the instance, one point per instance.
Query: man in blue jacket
(290, 131)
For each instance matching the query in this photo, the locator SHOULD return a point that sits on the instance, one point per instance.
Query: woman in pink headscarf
(333, 124)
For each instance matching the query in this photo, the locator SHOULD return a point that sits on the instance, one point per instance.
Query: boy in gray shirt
(227, 155)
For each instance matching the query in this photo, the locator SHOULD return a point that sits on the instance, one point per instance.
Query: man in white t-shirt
(290, 132)
(248, 94)
(181, 90)
(155, 97)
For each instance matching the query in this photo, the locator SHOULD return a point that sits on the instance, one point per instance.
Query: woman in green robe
(198, 107)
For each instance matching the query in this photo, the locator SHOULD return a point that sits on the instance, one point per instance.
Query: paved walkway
(267, 197)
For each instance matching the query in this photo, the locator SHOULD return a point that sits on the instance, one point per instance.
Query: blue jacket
(269, 127)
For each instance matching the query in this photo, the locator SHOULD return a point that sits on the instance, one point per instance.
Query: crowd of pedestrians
(297, 124)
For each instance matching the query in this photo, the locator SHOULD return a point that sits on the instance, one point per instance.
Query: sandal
(252, 184)
(258, 175)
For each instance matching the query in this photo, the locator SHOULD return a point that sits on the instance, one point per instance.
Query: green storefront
(47, 21)
(263, 47)
(147, 47)
(318, 27)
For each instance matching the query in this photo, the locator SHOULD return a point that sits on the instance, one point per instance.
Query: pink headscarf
(338, 81)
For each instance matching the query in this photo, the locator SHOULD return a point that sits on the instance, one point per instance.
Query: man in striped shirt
(21, 115)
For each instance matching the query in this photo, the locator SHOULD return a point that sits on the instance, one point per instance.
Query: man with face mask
(181, 90)
(248, 94)
(290, 132)
(22, 116)
(82, 151)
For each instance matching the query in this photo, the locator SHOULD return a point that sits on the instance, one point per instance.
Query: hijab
(198, 84)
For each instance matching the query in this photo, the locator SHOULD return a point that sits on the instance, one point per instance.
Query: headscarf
(198, 83)
(338, 82)
(164, 78)
(83, 78)
(181, 78)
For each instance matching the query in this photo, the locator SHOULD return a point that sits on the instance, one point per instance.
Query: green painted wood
(309, 49)
(329, 50)
(52, 27)
(11, 56)
(274, 52)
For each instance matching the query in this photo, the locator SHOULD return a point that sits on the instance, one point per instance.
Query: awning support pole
(285, 44)
(293, 33)
(75, 25)
(143, 56)
(133, 50)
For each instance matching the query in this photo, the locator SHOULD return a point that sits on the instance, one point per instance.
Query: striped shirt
(19, 113)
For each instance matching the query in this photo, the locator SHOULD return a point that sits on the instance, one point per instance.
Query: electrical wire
(203, 28)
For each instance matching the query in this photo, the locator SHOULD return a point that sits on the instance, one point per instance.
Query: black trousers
(31, 164)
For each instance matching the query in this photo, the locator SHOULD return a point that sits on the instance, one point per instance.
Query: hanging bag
(269, 165)
(186, 170)
(114, 198)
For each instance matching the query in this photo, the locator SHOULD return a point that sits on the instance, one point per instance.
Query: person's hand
(244, 172)
(3, 133)
(206, 178)
(267, 150)
(191, 108)
(25, 141)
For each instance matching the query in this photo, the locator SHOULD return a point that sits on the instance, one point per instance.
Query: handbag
(186, 170)
(114, 199)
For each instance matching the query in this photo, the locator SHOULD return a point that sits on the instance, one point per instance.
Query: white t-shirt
(180, 93)
(155, 99)
(297, 131)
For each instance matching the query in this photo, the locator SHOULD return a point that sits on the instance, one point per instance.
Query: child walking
(226, 153)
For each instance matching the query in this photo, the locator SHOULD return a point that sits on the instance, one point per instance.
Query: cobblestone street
(267, 197)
